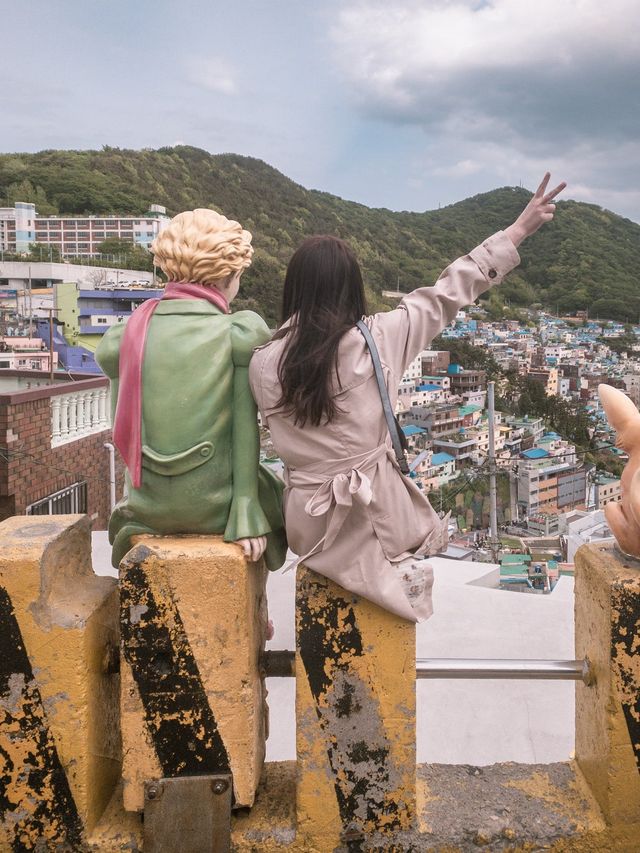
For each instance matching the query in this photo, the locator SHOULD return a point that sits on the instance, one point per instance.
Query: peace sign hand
(539, 210)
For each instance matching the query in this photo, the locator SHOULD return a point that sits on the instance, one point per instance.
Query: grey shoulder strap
(392, 423)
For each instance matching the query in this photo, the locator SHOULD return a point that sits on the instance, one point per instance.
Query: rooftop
(412, 430)
(441, 459)
(535, 453)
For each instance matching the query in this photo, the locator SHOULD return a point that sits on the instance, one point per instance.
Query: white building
(75, 236)
(18, 275)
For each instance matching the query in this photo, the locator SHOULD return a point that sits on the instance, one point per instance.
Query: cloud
(509, 66)
(213, 74)
(504, 88)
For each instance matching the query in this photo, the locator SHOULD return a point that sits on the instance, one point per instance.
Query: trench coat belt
(336, 493)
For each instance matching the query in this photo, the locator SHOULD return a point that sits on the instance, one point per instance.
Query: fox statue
(624, 518)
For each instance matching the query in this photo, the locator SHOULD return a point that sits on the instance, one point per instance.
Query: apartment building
(435, 361)
(606, 489)
(461, 447)
(549, 482)
(24, 353)
(75, 236)
(465, 381)
(438, 420)
(548, 378)
(531, 426)
(17, 227)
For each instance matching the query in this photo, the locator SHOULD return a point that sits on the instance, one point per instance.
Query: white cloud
(504, 89)
(459, 169)
(213, 73)
(552, 63)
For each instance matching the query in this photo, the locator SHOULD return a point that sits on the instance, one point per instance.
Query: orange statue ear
(618, 408)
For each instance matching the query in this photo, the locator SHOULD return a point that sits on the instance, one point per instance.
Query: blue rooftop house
(535, 453)
(415, 436)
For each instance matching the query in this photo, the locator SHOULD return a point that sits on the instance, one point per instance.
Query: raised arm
(404, 332)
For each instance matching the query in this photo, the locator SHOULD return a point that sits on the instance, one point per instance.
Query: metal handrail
(576, 670)
(281, 663)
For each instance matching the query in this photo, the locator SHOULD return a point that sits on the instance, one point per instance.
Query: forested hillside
(589, 258)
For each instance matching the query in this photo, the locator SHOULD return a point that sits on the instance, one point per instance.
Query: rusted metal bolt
(352, 833)
(219, 786)
(154, 792)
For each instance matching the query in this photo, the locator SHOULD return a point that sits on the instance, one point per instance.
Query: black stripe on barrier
(177, 712)
(357, 746)
(624, 634)
(35, 798)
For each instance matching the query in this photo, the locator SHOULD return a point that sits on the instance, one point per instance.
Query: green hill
(588, 258)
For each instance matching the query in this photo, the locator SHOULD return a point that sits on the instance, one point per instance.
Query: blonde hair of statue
(203, 247)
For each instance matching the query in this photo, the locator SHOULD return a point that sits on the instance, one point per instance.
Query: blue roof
(413, 430)
(534, 453)
(441, 458)
(428, 387)
(455, 368)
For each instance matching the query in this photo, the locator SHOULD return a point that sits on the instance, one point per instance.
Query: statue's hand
(253, 548)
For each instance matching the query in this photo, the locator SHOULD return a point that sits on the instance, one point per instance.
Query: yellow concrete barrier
(59, 728)
(608, 713)
(355, 709)
(193, 620)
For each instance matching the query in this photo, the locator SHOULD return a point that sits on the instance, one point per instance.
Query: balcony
(80, 413)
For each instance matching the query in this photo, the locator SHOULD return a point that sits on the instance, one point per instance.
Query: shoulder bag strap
(392, 423)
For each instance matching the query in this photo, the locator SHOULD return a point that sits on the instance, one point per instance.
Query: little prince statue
(183, 416)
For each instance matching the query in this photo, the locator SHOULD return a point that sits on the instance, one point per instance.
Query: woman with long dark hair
(350, 513)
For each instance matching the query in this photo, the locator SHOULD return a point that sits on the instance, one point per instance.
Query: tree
(44, 252)
(126, 253)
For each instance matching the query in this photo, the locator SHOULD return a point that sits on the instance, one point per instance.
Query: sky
(400, 104)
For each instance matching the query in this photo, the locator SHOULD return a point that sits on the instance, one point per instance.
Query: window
(73, 499)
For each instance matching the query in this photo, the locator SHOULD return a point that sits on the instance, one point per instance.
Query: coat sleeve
(404, 332)
(108, 359)
(246, 516)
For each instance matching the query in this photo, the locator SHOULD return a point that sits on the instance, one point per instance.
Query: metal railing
(281, 663)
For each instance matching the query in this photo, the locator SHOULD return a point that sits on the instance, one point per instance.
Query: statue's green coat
(200, 440)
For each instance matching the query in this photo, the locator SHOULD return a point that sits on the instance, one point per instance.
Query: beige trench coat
(348, 509)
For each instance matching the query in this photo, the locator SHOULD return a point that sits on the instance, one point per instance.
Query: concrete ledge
(504, 807)
(193, 619)
(59, 733)
(608, 714)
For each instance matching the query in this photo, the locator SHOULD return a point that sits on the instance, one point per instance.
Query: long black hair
(323, 298)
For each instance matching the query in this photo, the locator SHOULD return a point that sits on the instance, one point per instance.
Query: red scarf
(127, 426)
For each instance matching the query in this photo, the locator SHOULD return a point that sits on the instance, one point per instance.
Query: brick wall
(30, 469)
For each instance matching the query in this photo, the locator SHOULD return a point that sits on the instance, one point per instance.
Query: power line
(23, 454)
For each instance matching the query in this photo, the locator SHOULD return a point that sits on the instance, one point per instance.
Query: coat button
(492, 273)
(205, 451)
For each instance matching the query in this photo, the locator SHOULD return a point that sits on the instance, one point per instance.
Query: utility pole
(494, 542)
(30, 292)
(51, 313)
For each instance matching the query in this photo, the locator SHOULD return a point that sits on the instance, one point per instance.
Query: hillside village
(554, 490)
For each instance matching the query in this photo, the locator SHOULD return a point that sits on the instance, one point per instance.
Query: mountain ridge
(586, 259)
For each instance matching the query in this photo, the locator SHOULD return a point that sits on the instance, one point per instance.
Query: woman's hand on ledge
(539, 210)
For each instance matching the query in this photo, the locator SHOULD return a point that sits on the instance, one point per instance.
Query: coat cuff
(246, 520)
(496, 257)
